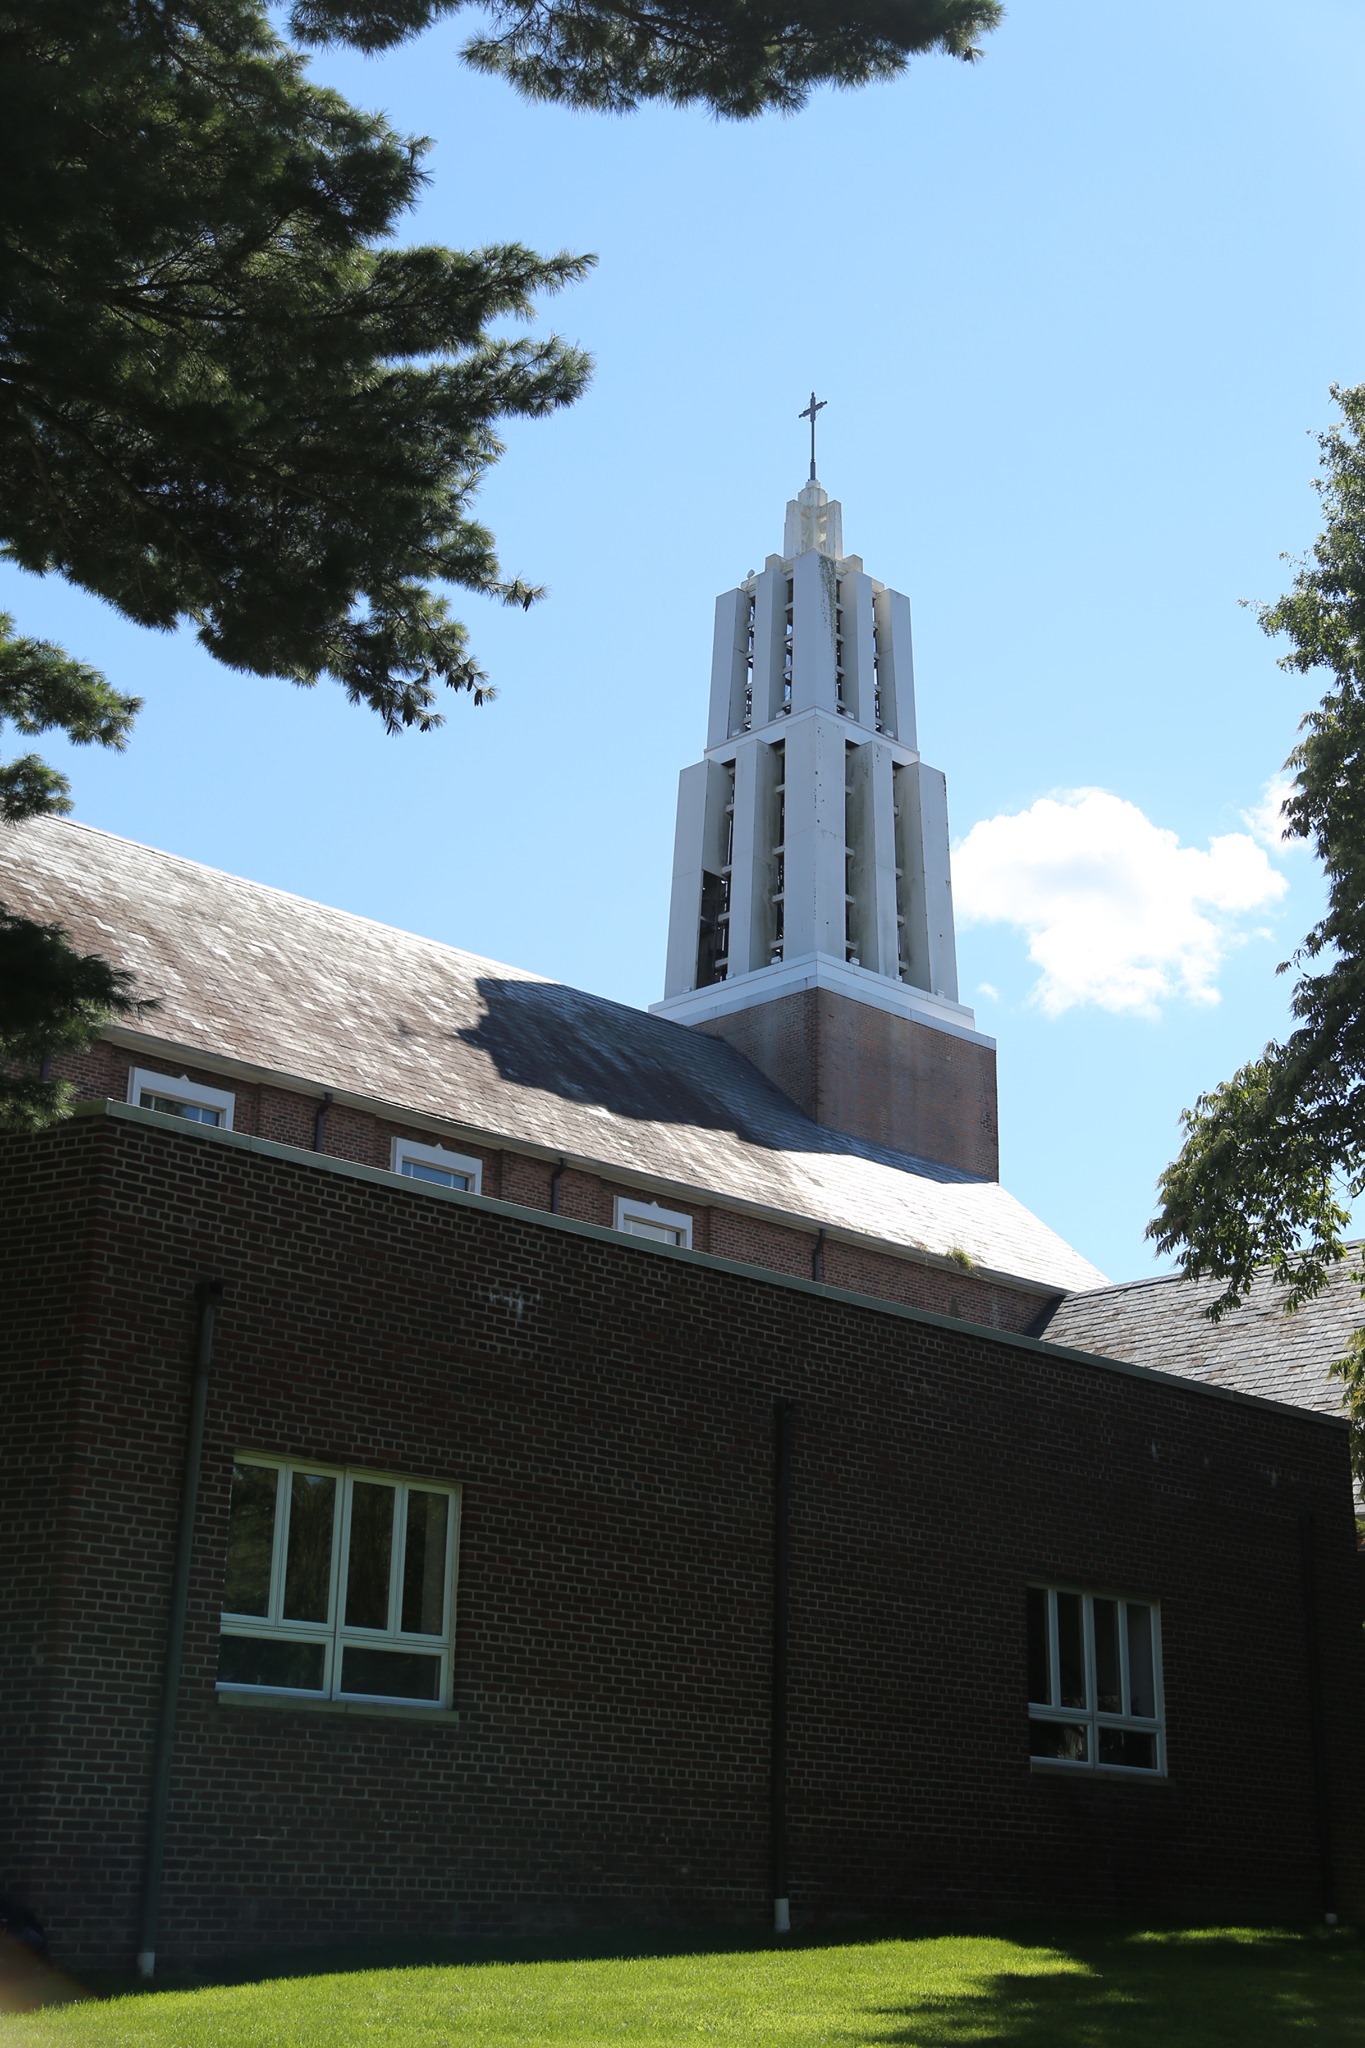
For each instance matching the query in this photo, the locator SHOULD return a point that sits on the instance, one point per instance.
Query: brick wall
(884, 1077)
(607, 1408)
(288, 1119)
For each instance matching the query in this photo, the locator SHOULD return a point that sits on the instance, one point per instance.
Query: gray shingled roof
(1255, 1349)
(279, 983)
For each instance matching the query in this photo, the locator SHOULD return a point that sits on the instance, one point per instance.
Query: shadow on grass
(1116, 1988)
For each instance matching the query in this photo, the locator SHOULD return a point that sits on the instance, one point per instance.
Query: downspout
(783, 1411)
(1322, 1809)
(320, 1120)
(207, 1296)
(555, 1179)
(817, 1257)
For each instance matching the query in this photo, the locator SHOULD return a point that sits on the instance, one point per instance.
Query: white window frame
(182, 1089)
(1090, 1717)
(633, 1209)
(438, 1156)
(335, 1635)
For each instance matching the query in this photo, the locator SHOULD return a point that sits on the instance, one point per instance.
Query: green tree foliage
(42, 688)
(738, 57)
(734, 56)
(228, 399)
(52, 999)
(224, 396)
(1271, 1156)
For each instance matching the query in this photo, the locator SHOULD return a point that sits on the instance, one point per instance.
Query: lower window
(1094, 1680)
(340, 1584)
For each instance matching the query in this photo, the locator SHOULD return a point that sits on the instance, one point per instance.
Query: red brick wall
(607, 1408)
(288, 1119)
(882, 1076)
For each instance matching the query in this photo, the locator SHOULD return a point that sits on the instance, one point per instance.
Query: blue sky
(1076, 310)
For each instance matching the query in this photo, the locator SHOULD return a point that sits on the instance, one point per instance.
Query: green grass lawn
(1069, 1988)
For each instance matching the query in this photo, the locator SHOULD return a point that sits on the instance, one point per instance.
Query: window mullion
(1054, 1655)
(343, 1570)
(452, 1566)
(397, 1559)
(280, 1549)
(336, 1586)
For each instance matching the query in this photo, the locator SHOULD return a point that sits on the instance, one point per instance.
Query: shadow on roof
(565, 1042)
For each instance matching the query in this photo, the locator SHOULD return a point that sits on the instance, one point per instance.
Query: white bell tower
(811, 856)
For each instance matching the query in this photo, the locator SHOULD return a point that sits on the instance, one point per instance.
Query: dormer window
(182, 1098)
(435, 1164)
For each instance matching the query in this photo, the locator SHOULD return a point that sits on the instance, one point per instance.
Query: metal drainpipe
(783, 1411)
(1322, 1806)
(207, 1295)
(817, 1257)
(555, 1179)
(320, 1120)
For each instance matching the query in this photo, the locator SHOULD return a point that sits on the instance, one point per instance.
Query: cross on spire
(816, 405)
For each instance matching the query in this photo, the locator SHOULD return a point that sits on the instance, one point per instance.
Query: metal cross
(816, 405)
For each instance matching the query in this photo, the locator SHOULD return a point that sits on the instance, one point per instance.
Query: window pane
(392, 1674)
(251, 1539)
(1071, 1649)
(1061, 1740)
(308, 1565)
(367, 1568)
(195, 1112)
(1129, 1747)
(446, 1177)
(664, 1233)
(250, 1660)
(1108, 1677)
(424, 1563)
(1039, 1662)
(1141, 1677)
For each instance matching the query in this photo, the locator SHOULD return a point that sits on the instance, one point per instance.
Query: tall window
(1094, 1680)
(340, 1585)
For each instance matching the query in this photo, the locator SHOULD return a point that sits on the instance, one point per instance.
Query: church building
(479, 1457)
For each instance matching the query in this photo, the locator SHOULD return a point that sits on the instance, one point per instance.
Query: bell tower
(812, 916)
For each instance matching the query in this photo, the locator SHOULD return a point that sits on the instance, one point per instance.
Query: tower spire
(812, 919)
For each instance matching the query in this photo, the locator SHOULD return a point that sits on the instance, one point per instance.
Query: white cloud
(989, 990)
(1265, 819)
(1118, 913)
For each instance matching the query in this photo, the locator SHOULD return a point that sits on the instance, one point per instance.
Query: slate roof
(1254, 1349)
(271, 980)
